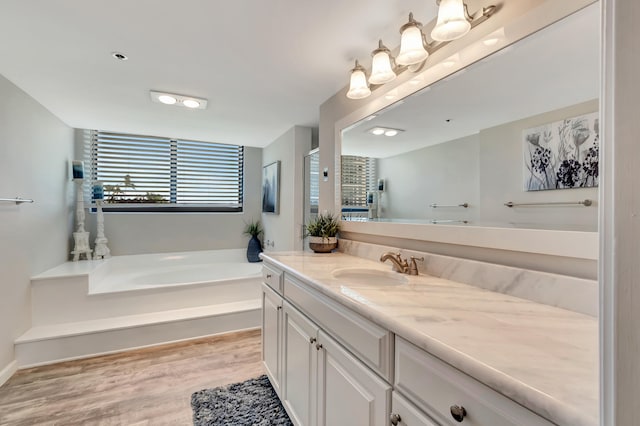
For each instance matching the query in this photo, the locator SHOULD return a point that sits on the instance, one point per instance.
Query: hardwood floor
(151, 386)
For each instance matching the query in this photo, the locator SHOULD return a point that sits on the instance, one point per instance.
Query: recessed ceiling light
(166, 99)
(178, 100)
(387, 131)
(119, 56)
(190, 103)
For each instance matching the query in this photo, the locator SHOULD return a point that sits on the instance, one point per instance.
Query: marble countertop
(544, 358)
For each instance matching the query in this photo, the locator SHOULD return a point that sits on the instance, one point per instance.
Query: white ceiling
(554, 68)
(264, 66)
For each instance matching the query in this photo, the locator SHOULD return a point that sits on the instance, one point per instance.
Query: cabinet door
(271, 335)
(299, 366)
(404, 413)
(348, 392)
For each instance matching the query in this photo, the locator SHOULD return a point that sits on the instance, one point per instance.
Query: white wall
(485, 171)
(444, 174)
(285, 228)
(136, 233)
(35, 153)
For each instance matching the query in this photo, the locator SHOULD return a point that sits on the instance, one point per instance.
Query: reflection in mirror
(519, 126)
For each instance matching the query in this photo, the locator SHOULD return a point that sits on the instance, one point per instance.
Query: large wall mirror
(519, 126)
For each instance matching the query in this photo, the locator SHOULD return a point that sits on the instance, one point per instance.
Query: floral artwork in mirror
(562, 154)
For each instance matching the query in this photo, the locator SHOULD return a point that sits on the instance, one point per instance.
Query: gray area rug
(252, 402)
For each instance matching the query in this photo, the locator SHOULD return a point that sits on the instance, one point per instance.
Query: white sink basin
(369, 276)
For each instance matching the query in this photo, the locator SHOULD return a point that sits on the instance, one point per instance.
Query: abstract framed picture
(562, 154)
(271, 188)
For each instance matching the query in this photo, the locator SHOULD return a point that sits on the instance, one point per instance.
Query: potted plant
(254, 229)
(322, 232)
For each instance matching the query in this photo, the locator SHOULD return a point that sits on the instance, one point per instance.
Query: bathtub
(92, 307)
(155, 271)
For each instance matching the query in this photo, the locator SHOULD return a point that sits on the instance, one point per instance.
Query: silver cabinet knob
(312, 339)
(458, 413)
(395, 419)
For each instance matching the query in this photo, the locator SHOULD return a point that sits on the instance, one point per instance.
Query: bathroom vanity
(348, 341)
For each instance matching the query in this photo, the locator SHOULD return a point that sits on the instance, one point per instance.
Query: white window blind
(162, 174)
(358, 178)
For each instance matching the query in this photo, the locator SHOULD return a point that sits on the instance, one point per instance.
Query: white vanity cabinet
(450, 396)
(332, 366)
(319, 381)
(404, 413)
(300, 355)
(272, 335)
(349, 393)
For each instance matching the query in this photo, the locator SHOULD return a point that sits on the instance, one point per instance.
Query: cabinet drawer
(404, 413)
(272, 276)
(436, 386)
(369, 342)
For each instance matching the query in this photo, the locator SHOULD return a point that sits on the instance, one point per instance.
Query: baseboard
(64, 348)
(133, 348)
(8, 371)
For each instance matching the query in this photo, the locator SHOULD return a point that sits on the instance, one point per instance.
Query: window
(358, 178)
(147, 173)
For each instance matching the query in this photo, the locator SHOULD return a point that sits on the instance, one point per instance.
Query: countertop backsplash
(571, 293)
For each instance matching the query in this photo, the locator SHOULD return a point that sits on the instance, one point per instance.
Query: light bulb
(166, 99)
(391, 132)
(190, 103)
(377, 131)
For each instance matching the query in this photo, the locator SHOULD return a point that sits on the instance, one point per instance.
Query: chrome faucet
(401, 265)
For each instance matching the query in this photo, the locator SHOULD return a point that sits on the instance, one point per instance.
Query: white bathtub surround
(88, 308)
(576, 294)
(543, 357)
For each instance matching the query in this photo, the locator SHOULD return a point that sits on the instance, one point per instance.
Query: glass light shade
(412, 49)
(358, 88)
(452, 21)
(378, 131)
(391, 132)
(381, 68)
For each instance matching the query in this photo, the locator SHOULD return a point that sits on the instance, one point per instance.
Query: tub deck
(86, 308)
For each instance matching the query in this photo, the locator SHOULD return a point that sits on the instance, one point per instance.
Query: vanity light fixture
(358, 88)
(412, 43)
(453, 22)
(190, 102)
(381, 67)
